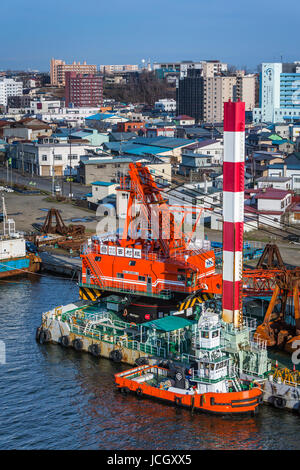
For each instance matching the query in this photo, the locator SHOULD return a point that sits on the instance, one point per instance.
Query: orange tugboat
(210, 385)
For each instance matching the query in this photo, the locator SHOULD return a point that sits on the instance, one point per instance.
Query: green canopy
(169, 323)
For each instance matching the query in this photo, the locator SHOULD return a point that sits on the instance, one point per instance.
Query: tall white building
(9, 87)
(279, 93)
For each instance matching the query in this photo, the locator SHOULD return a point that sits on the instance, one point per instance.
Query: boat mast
(4, 216)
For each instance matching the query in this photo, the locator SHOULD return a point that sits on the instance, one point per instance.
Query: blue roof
(147, 145)
(100, 116)
(146, 149)
(109, 160)
(171, 142)
(102, 183)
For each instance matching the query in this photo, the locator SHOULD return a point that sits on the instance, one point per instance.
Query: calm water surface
(53, 398)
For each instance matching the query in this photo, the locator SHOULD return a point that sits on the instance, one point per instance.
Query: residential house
(289, 168)
(183, 120)
(26, 129)
(212, 147)
(111, 168)
(46, 159)
(103, 192)
(276, 182)
(267, 205)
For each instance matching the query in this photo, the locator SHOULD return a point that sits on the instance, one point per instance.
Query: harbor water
(55, 398)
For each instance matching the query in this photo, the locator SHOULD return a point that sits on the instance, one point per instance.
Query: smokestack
(233, 210)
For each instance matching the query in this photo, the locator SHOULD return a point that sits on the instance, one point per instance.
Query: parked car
(293, 239)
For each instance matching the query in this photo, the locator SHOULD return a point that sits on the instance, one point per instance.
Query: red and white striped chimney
(233, 210)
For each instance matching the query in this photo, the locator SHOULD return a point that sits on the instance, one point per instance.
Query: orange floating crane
(275, 330)
(154, 256)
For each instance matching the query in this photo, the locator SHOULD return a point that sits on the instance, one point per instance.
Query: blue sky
(126, 31)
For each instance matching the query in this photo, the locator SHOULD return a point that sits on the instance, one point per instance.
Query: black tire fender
(37, 333)
(279, 402)
(78, 344)
(177, 401)
(65, 341)
(142, 361)
(116, 355)
(95, 349)
(139, 392)
(45, 336)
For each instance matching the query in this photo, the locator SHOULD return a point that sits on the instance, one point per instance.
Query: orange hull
(149, 274)
(219, 403)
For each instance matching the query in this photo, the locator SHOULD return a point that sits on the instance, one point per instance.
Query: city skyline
(233, 33)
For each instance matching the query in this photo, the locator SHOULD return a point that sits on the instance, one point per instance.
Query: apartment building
(245, 89)
(213, 67)
(219, 89)
(190, 95)
(202, 93)
(279, 93)
(111, 69)
(83, 90)
(58, 68)
(208, 68)
(9, 87)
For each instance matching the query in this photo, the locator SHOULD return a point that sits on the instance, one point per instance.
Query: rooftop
(271, 193)
(102, 183)
(273, 179)
(167, 324)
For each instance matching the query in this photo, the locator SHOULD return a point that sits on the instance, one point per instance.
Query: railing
(258, 344)
(250, 323)
(198, 378)
(121, 341)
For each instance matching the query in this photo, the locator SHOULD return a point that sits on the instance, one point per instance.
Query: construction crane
(275, 329)
(150, 217)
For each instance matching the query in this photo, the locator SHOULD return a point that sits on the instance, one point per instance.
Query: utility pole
(22, 159)
(53, 192)
(70, 156)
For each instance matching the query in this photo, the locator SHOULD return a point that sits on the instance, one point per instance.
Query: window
(120, 275)
(215, 334)
(181, 277)
(97, 258)
(131, 262)
(44, 158)
(142, 278)
(204, 334)
(57, 157)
